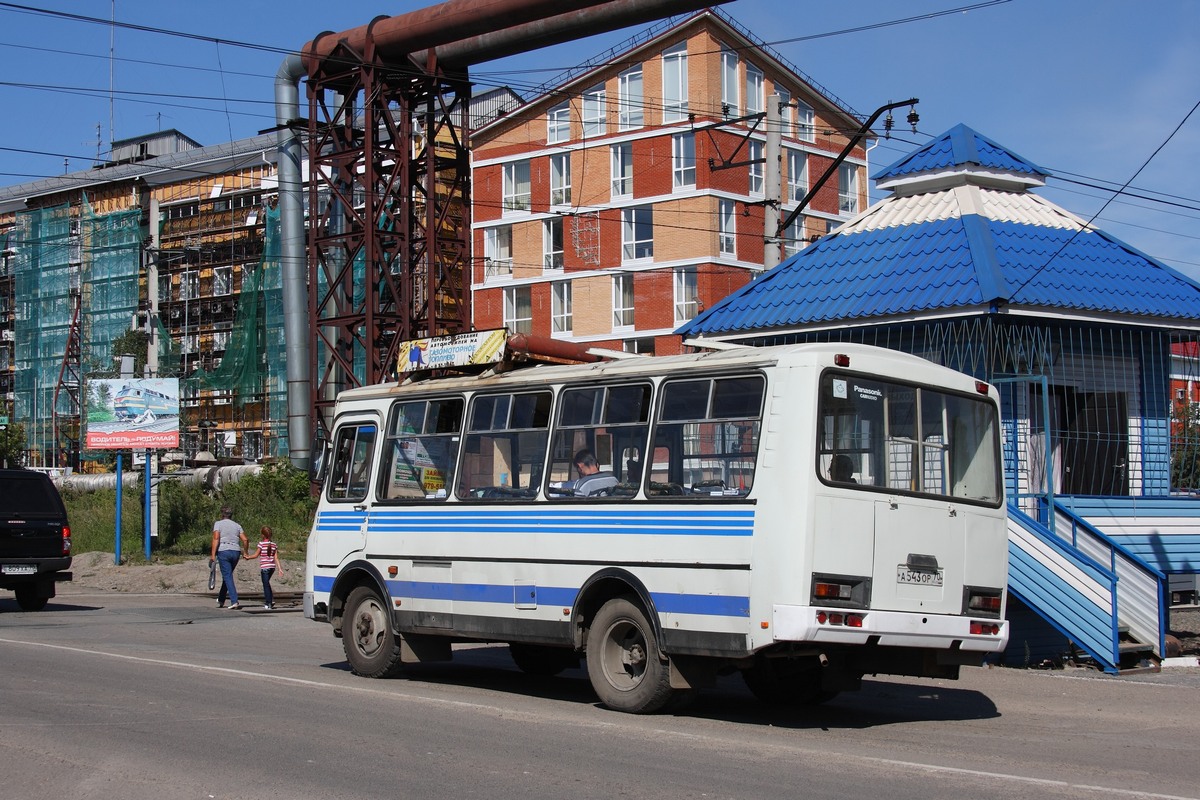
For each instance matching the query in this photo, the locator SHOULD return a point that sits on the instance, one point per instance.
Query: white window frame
(730, 85)
(806, 122)
(683, 161)
(631, 106)
(560, 179)
(622, 169)
(558, 124)
(518, 187)
(727, 227)
(847, 188)
(622, 302)
(686, 298)
(189, 285)
(561, 321)
(637, 233)
(797, 176)
(756, 85)
(222, 281)
(593, 112)
(518, 309)
(497, 252)
(794, 238)
(754, 153)
(787, 115)
(675, 83)
(552, 251)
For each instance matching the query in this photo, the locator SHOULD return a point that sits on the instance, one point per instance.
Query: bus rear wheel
(624, 664)
(371, 646)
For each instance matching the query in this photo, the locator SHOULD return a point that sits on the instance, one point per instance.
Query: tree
(132, 342)
(12, 445)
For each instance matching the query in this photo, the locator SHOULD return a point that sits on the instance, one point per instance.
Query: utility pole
(773, 186)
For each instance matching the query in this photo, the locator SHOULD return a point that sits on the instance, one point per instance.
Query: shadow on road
(878, 702)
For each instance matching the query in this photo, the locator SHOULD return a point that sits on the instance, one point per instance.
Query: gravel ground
(96, 571)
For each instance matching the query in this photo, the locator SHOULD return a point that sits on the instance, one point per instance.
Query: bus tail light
(831, 591)
(841, 360)
(846, 591)
(982, 602)
(985, 629)
(834, 618)
(981, 387)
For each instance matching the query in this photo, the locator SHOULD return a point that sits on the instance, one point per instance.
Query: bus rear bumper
(888, 628)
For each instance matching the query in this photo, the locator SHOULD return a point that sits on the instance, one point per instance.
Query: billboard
(132, 414)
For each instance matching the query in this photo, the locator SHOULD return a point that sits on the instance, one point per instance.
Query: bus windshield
(903, 438)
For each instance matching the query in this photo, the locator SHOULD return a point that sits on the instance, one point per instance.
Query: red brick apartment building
(620, 204)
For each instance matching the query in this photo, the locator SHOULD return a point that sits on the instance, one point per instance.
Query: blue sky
(1087, 89)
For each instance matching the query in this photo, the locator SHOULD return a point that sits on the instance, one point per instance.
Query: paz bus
(802, 514)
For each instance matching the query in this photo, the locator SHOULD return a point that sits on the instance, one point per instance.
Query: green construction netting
(253, 366)
(60, 256)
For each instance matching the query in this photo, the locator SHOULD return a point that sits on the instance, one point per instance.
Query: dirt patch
(97, 571)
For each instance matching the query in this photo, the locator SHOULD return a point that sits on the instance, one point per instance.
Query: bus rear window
(905, 438)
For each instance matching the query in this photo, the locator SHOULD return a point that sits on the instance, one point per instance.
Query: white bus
(805, 514)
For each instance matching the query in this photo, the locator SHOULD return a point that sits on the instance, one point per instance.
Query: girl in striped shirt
(268, 562)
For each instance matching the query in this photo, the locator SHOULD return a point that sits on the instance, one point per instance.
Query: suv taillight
(66, 540)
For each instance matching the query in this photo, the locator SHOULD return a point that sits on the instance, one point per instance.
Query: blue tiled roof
(960, 146)
(921, 256)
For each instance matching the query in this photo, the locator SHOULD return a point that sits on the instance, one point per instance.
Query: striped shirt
(266, 555)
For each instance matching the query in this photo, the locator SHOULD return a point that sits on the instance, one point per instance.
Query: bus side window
(421, 449)
(353, 448)
(504, 447)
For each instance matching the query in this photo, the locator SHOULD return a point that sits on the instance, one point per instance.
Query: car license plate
(906, 575)
(19, 569)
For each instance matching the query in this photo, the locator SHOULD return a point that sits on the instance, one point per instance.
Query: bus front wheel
(371, 645)
(624, 664)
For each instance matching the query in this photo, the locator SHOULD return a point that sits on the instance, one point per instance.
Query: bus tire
(626, 669)
(541, 660)
(371, 646)
(783, 682)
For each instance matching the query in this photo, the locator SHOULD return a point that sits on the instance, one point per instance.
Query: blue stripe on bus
(664, 602)
(716, 522)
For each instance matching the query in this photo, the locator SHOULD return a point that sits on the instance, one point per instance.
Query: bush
(278, 496)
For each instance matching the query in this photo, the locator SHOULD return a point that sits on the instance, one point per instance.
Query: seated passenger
(592, 480)
(841, 469)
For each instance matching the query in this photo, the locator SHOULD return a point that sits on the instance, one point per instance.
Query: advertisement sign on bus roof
(458, 350)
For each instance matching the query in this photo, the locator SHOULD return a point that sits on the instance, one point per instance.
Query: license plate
(906, 575)
(19, 569)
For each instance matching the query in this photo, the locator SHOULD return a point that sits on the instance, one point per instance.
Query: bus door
(341, 524)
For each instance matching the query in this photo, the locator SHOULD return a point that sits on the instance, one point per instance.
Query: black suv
(35, 539)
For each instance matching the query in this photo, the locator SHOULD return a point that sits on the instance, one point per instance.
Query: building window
(794, 239)
(729, 83)
(220, 340)
(622, 170)
(558, 124)
(797, 176)
(754, 151)
(518, 309)
(754, 89)
(560, 307)
(787, 119)
(848, 189)
(189, 286)
(222, 281)
(805, 122)
(164, 287)
(644, 347)
(637, 233)
(630, 105)
(593, 112)
(552, 243)
(726, 232)
(560, 179)
(675, 83)
(686, 304)
(516, 186)
(683, 159)
(622, 300)
(497, 252)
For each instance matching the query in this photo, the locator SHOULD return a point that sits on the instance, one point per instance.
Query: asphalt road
(160, 697)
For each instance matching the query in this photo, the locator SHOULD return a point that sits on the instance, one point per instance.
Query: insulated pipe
(396, 37)
(556, 30)
(294, 263)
